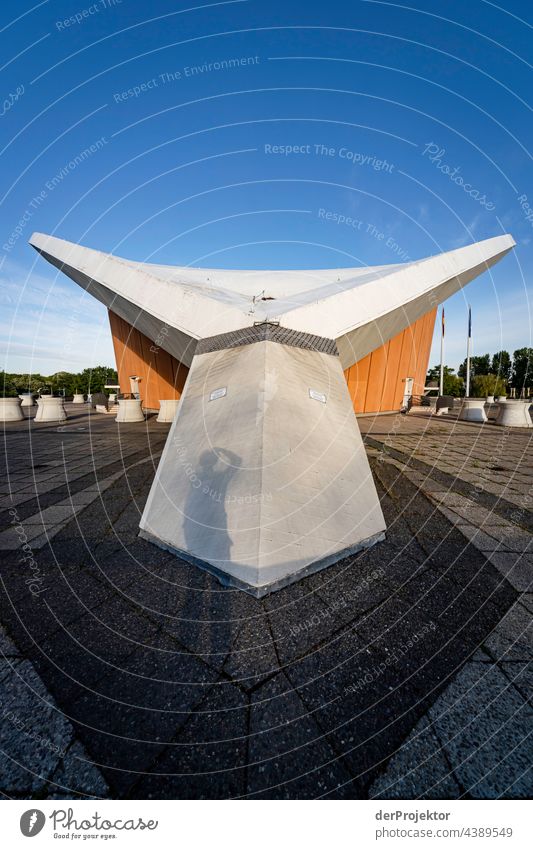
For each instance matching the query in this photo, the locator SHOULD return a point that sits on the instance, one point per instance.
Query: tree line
(62, 382)
(490, 375)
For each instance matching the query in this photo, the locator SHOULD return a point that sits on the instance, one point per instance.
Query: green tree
(502, 365)
(94, 379)
(522, 373)
(452, 383)
(478, 365)
(488, 384)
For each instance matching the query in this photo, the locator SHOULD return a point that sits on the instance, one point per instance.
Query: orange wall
(163, 377)
(376, 383)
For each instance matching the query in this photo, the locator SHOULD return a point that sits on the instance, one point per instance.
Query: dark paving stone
(289, 755)
(208, 758)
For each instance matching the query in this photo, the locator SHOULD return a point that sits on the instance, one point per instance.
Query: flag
(443, 322)
(469, 322)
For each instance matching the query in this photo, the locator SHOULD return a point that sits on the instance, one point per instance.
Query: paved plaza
(400, 672)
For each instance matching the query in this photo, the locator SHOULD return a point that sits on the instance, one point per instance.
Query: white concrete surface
(26, 399)
(362, 308)
(50, 409)
(473, 410)
(264, 482)
(129, 410)
(167, 410)
(78, 398)
(10, 410)
(514, 413)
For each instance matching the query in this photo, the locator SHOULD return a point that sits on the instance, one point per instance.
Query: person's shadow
(205, 525)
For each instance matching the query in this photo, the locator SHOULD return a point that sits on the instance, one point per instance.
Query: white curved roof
(359, 307)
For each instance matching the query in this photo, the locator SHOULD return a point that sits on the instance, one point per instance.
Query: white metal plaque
(317, 396)
(218, 393)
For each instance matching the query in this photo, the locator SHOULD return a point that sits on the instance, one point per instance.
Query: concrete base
(264, 477)
(26, 400)
(10, 410)
(112, 398)
(50, 409)
(129, 410)
(514, 414)
(473, 410)
(489, 399)
(78, 398)
(167, 410)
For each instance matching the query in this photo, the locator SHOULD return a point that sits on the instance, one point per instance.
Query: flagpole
(441, 382)
(468, 341)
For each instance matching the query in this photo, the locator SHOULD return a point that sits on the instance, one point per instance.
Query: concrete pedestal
(26, 399)
(50, 409)
(129, 410)
(10, 410)
(489, 399)
(167, 410)
(78, 398)
(112, 398)
(514, 414)
(264, 477)
(473, 410)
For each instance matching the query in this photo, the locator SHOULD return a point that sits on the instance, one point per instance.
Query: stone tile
(516, 567)
(33, 732)
(484, 725)
(76, 776)
(418, 770)
(512, 639)
(289, 755)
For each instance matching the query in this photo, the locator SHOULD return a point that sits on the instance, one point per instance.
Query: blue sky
(189, 112)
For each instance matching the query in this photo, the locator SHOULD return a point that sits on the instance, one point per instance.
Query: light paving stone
(419, 770)
(512, 639)
(33, 732)
(517, 568)
(76, 774)
(484, 724)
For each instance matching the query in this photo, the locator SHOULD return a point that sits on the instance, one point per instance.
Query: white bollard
(167, 410)
(50, 409)
(489, 399)
(79, 398)
(112, 398)
(26, 399)
(10, 410)
(129, 410)
(473, 410)
(513, 413)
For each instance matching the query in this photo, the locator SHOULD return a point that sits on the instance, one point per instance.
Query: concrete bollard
(26, 399)
(79, 398)
(50, 409)
(167, 410)
(129, 410)
(473, 410)
(513, 413)
(10, 410)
